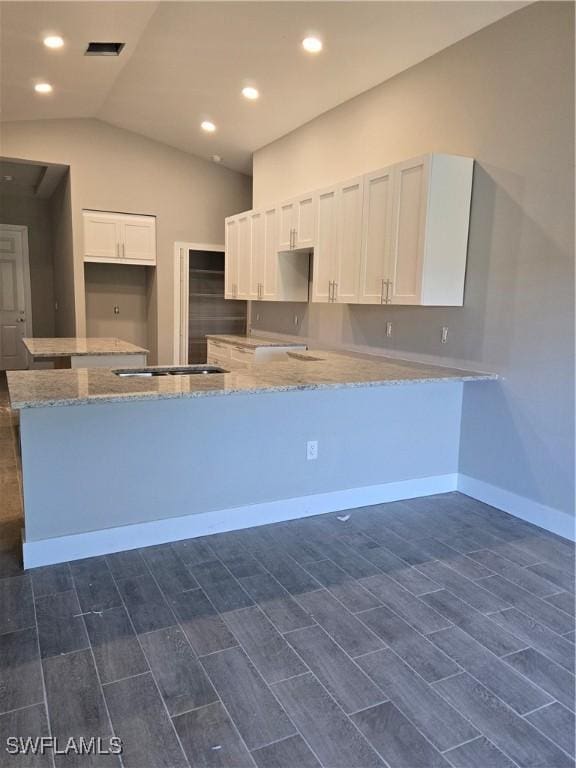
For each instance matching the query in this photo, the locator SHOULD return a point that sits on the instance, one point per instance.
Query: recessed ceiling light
(312, 44)
(43, 88)
(250, 93)
(216, 159)
(53, 41)
(208, 126)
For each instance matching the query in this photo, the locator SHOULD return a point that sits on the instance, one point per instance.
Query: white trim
(23, 229)
(92, 543)
(181, 263)
(550, 519)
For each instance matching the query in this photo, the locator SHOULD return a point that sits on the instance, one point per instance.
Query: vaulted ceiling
(185, 62)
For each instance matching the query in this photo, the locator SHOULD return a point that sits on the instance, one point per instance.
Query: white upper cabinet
(338, 243)
(254, 268)
(415, 233)
(139, 238)
(297, 223)
(349, 246)
(257, 223)
(324, 263)
(376, 236)
(231, 258)
(409, 232)
(269, 268)
(244, 278)
(119, 237)
(394, 236)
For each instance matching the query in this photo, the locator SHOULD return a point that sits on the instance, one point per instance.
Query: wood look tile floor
(432, 632)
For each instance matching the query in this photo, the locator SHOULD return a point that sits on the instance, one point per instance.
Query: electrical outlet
(388, 328)
(312, 450)
(444, 337)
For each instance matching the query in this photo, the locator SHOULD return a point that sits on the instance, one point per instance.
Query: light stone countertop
(313, 370)
(252, 342)
(67, 347)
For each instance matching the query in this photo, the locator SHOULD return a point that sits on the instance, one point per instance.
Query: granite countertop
(299, 371)
(252, 342)
(65, 347)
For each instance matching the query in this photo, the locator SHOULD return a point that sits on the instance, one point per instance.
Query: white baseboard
(92, 543)
(550, 519)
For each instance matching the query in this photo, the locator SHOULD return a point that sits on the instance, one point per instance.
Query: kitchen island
(112, 463)
(77, 352)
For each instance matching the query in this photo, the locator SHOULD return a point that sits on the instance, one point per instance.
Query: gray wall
(110, 285)
(34, 213)
(116, 170)
(169, 458)
(64, 269)
(504, 96)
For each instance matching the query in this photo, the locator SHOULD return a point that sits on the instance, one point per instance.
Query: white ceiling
(187, 61)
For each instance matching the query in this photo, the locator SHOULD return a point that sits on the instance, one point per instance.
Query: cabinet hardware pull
(388, 284)
(382, 290)
(123, 250)
(329, 291)
(334, 291)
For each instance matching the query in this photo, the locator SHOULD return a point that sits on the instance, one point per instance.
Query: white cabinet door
(244, 255)
(349, 245)
(409, 231)
(269, 290)
(231, 258)
(286, 217)
(102, 235)
(326, 244)
(138, 238)
(304, 221)
(297, 223)
(257, 238)
(376, 237)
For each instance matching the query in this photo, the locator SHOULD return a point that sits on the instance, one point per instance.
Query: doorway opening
(36, 267)
(200, 306)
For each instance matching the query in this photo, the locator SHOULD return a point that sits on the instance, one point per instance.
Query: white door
(15, 303)
(304, 221)
(376, 235)
(231, 259)
(325, 247)
(409, 231)
(139, 238)
(270, 267)
(244, 256)
(286, 220)
(102, 235)
(350, 200)
(256, 265)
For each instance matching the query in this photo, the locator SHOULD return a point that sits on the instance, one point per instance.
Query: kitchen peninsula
(112, 463)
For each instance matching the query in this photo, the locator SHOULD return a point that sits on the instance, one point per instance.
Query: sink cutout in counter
(191, 370)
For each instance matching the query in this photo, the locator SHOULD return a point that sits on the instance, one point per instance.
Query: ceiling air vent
(104, 49)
